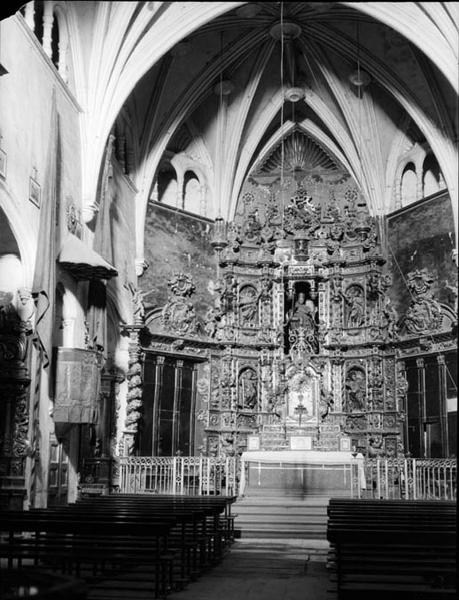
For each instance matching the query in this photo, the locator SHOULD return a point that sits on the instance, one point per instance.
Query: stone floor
(257, 569)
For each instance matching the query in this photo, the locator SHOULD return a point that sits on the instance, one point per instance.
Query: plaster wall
(115, 238)
(25, 108)
(26, 93)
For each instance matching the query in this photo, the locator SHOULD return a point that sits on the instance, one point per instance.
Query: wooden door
(58, 473)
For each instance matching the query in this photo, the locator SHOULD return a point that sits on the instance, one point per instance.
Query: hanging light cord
(220, 128)
(360, 97)
(282, 133)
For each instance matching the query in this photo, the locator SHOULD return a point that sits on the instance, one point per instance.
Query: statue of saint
(248, 305)
(248, 389)
(303, 314)
(355, 307)
(355, 390)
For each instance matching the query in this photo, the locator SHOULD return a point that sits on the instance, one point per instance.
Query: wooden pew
(85, 545)
(401, 549)
(94, 538)
(215, 534)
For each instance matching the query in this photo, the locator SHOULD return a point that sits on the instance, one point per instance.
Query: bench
(173, 539)
(397, 547)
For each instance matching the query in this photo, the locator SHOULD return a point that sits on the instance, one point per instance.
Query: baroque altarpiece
(299, 340)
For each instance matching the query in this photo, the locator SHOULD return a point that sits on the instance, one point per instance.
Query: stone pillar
(62, 66)
(134, 394)
(180, 201)
(398, 192)
(203, 203)
(48, 19)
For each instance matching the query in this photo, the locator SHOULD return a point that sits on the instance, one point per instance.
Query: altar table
(301, 471)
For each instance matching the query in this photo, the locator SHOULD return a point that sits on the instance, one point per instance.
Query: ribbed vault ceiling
(157, 67)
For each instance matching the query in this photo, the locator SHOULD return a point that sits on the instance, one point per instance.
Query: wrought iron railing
(409, 479)
(384, 478)
(181, 475)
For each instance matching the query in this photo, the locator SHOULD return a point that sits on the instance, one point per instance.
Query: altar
(301, 472)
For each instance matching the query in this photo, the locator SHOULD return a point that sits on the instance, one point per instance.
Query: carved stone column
(62, 67)
(134, 394)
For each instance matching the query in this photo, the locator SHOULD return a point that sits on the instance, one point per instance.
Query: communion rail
(383, 478)
(178, 475)
(409, 479)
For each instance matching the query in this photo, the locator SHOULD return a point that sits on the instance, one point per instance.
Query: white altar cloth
(311, 457)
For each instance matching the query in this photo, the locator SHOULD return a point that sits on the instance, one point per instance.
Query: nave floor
(266, 570)
(253, 569)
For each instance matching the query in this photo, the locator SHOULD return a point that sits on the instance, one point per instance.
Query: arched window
(432, 180)
(167, 186)
(408, 185)
(10, 262)
(191, 193)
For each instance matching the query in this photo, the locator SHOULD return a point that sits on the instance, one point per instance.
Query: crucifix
(300, 409)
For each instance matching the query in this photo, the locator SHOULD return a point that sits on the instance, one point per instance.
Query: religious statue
(303, 314)
(355, 306)
(138, 307)
(355, 390)
(389, 319)
(248, 389)
(251, 229)
(248, 305)
(335, 235)
(375, 446)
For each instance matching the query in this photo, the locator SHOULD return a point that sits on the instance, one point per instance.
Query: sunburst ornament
(300, 153)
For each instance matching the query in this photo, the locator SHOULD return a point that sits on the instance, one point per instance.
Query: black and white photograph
(228, 300)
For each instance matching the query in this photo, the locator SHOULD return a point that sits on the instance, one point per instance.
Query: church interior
(228, 257)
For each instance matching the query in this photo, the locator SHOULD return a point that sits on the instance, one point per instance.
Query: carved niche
(355, 390)
(248, 389)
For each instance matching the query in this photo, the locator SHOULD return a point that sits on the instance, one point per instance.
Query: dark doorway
(169, 406)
